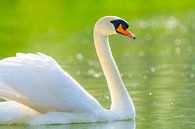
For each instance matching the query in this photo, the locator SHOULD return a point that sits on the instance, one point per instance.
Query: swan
(38, 91)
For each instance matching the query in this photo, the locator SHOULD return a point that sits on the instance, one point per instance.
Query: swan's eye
(121, 27)
(117, 22)
(124, 27)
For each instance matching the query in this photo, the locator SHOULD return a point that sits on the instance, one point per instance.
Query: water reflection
(103, 125)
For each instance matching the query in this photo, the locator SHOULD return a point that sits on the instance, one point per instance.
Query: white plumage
(37, 81)
(39, 91)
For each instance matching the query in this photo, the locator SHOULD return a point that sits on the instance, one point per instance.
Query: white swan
(39, 91)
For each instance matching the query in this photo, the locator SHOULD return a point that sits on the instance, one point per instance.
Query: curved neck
(120, 99)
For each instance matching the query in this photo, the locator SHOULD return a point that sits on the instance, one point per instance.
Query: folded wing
(37, 81)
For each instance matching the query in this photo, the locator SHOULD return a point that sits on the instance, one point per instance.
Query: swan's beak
(125, 32)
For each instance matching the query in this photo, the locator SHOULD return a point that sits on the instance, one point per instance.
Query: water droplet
(107, 97)
(178, 42)
(182, 29)
(192, 75)
(171, 22)
(152, 69)
(91, 71)
(79, 56)
(145, 77)
(91, 63)
(94, 73)
(78, 73)
(177, 50)
(143, 24)
(97, 75)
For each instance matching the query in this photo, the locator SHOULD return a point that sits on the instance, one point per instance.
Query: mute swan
(39, 91)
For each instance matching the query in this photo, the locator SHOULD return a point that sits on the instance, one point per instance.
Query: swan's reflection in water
(103, 125)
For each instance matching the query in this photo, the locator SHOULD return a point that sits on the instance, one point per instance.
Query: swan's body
(42, 93)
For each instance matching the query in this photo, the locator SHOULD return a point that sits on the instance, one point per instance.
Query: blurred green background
(158, 68)
(31, 26)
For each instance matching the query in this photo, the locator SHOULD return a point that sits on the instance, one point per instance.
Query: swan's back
(37, 81)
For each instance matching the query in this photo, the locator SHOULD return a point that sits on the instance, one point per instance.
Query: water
(161, 87)
(162, 91)
(158, 68)
(103, 125)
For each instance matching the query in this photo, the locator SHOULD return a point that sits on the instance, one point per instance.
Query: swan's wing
(12, 112)
(37, 81)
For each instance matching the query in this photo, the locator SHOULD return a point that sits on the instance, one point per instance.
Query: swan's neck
(119, 95)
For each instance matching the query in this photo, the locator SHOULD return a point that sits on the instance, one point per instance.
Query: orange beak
(125, 32)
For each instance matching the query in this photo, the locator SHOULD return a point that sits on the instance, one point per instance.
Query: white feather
(43, 93)
(12, 112)
(37, 81)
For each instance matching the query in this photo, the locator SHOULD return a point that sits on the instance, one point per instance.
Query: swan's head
(110, 25)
